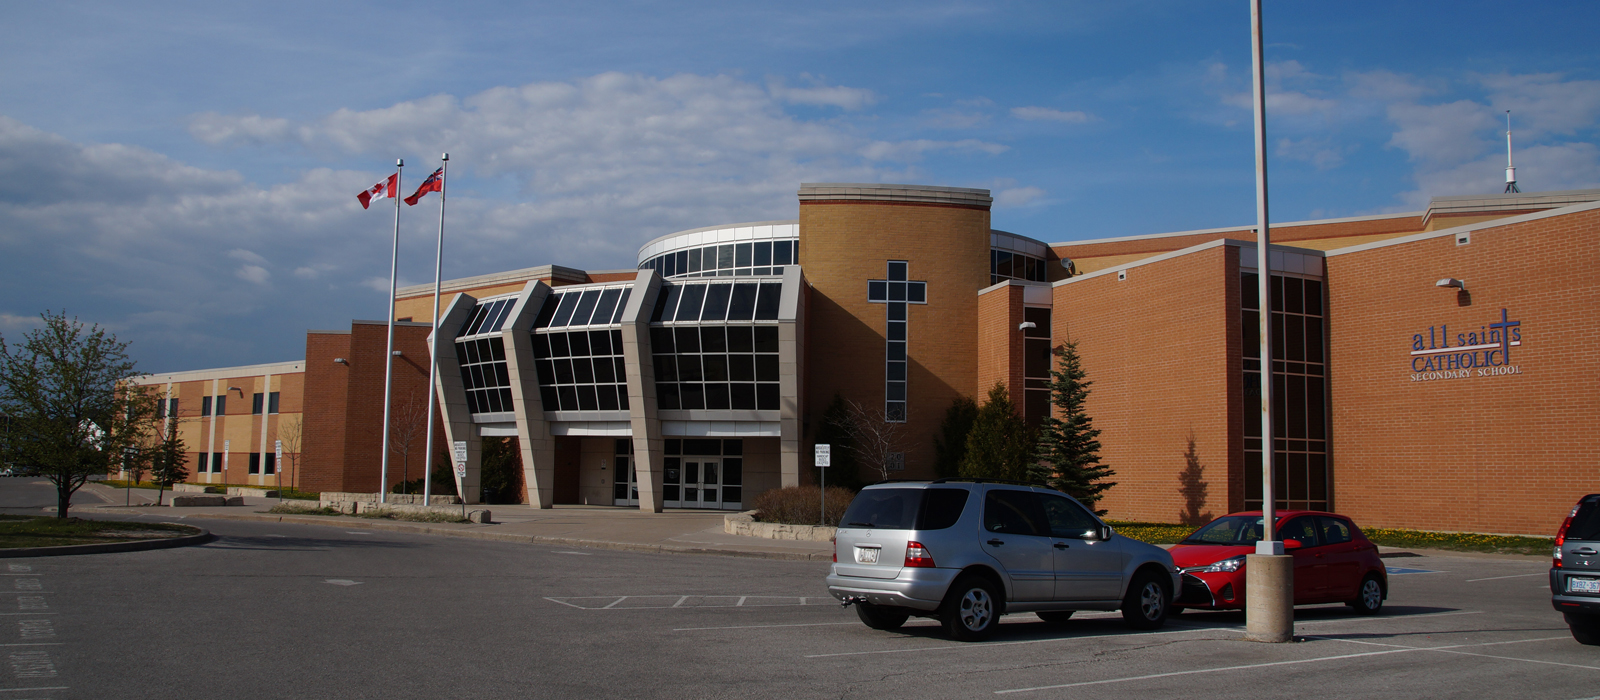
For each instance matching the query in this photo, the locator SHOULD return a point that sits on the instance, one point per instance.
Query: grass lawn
(25, 531)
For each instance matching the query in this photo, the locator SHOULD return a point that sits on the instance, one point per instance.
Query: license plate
(866, 555)
(1583, 585)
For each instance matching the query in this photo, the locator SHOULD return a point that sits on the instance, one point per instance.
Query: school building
(1431, 370)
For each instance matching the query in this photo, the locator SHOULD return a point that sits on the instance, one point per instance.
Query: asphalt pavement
(287, 610)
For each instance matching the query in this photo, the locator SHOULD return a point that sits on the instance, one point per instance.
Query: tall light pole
(1269, 573)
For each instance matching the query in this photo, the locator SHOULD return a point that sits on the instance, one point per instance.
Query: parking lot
(277, 610)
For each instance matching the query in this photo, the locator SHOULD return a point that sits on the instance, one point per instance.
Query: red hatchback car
(1333, 561)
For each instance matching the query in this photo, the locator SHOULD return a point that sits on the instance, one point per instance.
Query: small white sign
(277, 446)
(461, 451)
(824, 455)
(461, 470)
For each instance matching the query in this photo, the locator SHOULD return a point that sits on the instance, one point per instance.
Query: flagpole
(433, 342)
(388, 356)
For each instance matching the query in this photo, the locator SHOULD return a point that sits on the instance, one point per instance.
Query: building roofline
(190, 375)
(553, 272)
(881, 192)
(719, 227)
(1246, 227)
(1196, 248)
(1475, 203)
(1458, 230)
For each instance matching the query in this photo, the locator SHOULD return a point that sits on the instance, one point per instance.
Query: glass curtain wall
(727, 260)
(482, 355)
(1301, 477)
(577, 350)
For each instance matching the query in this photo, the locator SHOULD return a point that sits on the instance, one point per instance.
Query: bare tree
(408, 423)
(878, 444)
(291, 432)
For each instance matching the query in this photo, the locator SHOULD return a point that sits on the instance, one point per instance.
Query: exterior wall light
(1451, 282)
(341, 361)
(234, 388)
(1025, 325)
(397, 353)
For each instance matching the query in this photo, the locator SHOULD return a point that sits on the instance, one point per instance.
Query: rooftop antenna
(1511, 170)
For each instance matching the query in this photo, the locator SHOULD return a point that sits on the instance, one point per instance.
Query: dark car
(1575, 570)
(1333, 561)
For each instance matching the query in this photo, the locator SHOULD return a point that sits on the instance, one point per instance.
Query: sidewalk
(597, 527)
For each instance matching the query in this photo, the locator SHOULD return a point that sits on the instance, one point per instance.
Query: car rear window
(905, 509)
(1586, 521)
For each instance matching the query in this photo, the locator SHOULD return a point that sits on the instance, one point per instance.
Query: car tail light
(917, 556)
(835, 542)
(1561, 537)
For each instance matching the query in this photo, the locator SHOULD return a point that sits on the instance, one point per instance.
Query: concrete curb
(203, 537)
(424, 529)
(746, 525)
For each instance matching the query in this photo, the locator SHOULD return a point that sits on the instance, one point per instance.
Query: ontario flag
(434, 183)
(385, 188)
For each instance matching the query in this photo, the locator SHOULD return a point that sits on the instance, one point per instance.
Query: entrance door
(625, 490)
(702, 485)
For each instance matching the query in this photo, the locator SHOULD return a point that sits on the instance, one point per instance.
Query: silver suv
(966, 551)
(1575, 570)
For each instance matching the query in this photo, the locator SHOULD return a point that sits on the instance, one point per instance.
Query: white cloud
(247, 256)
(213, 128)
(1018, 196)
(1542, 168)
(1543, 103)
(253, 273)
(1047, 114)
(914, 149)
(1441, 134)
(821, 95)
(1321, 153)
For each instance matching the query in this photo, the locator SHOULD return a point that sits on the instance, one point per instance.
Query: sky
(184, 173)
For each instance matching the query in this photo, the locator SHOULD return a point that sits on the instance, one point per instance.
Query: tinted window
(889, 509)
(1234, 529)
(1068, 520)
(1302, 530)
(1014, 512)
(941, 508)
(1335, 531)
(1585, 521)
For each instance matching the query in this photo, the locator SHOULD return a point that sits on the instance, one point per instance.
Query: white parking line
(757, 627)
(26, 690)
(1497, 578)
(1397, 649)
(991, 645)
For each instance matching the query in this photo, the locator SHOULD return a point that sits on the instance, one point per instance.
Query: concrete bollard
(478, 516)
(1269, 597)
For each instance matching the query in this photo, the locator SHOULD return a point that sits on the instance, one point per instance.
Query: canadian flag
(386, 188)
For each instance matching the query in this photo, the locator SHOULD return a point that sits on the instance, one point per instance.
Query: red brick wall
(844, 244)
(1507, 454)
(1000, 344)
(1161, 351)
(344, 406)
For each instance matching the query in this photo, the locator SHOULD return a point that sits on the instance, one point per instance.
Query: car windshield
(906, 509)
(1231, 529)
(1586, 522)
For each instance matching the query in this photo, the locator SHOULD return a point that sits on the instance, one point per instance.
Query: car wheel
(1369, 597)
(971, 609)
(1585, 628)
(881, 618)
(1055, 617)
(1147, 603)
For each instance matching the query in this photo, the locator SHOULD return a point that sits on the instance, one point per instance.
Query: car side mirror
(1104, 532)
(1291, 544)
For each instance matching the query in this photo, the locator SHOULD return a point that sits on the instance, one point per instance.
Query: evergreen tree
(1000, 445)
(167, 465)
(1068, 449)
(950, 447)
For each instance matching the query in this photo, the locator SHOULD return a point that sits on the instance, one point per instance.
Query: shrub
(800, 505)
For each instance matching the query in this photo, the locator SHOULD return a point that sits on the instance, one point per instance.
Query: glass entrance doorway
(694, 474)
